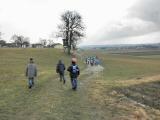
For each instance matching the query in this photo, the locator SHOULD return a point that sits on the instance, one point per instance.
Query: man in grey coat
(31, 72)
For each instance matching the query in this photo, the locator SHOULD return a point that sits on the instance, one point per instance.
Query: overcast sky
(106, 21)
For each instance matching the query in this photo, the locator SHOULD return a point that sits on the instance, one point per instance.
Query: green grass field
(127, 89)
(129, 85)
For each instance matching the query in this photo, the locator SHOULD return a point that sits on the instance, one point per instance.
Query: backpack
(74, 69)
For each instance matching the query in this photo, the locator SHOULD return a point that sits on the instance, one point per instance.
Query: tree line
(20, 41)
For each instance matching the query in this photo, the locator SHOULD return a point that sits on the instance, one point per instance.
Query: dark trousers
(74, 83)
(61, 75)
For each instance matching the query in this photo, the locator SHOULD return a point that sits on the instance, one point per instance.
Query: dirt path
(55, 101)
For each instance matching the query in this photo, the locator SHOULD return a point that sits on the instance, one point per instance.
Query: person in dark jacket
(61, 69)
(31, 72)
(74, 71)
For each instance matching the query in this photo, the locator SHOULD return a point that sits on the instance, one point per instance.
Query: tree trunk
(69, 50)
(70, 42)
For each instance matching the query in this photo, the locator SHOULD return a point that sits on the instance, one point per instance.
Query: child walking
(74, 71)
(31, 73)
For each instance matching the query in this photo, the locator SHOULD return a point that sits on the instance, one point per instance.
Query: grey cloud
(129, 30)
(143, 18)
(147, 10)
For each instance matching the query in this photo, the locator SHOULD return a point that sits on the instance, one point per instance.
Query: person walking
(31, 73)
(74, 71)
(61, 69)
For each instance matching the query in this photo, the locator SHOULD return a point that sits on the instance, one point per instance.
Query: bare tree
(20, 40)
(50, 42)
(26, 41)
(71, 29)
(43, 42)
(2, 43)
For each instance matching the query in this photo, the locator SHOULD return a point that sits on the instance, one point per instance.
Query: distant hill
(123, 46)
